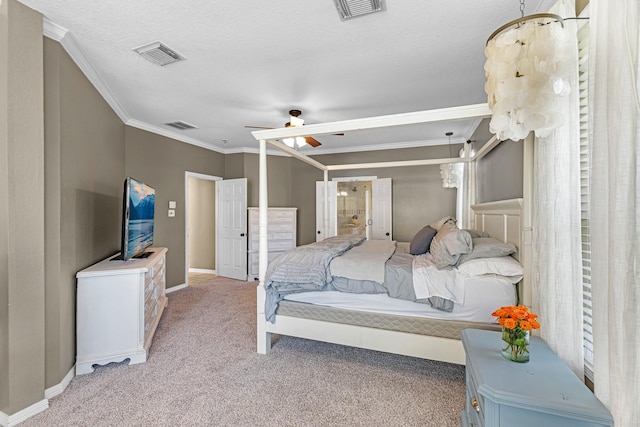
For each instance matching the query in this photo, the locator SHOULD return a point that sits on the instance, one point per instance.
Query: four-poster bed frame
(508, 220)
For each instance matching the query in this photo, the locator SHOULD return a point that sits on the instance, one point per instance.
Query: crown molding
(65, 38)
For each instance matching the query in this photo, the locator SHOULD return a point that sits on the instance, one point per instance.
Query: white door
(232, 228)
(381, 217)
(321, 233)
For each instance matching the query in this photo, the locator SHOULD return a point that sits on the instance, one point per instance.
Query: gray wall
(278, 176)
(161, 162)
(22, 256)
(499, 173)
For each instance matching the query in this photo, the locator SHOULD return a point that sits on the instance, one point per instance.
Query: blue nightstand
(541, 393)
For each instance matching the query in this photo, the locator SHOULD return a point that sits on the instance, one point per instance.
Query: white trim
(401, 163)
(197, 175)
(417, 117)
(175, 288)
(24, 414)
(65, 38)
(354, 178)
(202, 270)
(57, 389)
(158, 130)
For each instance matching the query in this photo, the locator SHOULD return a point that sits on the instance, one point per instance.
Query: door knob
(386, 234)
(318, 232)
(242, 234)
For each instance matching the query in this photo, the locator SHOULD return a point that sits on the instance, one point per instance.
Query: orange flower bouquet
(516, 322)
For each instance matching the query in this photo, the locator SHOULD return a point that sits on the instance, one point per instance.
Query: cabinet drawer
(275, 214)
(475, 401)
(149, 288)
(254, 262)
(271, 227)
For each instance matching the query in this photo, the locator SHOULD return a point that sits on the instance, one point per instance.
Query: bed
(346, 318)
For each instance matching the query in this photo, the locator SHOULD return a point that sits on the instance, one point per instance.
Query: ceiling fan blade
(312, 141)
(258, 127)
(338, 134)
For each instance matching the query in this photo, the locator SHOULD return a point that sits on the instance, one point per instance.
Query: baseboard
(175, 288)
(57, 389)
(202, 270)
(20, 416)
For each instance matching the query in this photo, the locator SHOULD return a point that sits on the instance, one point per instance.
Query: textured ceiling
(250, 61)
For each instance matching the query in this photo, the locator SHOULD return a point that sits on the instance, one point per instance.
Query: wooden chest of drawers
(542, 392)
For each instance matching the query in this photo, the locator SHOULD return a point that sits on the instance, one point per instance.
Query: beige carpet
(203, 370)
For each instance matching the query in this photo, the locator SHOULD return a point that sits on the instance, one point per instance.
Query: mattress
(483, 295)
(409, 324)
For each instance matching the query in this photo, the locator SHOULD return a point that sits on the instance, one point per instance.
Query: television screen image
(138, 218)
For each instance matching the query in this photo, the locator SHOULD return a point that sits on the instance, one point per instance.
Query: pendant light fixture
(527, 74)
(451, 173)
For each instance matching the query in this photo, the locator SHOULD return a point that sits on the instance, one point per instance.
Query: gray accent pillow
(449, 244)
(487, 247)
(422, 240)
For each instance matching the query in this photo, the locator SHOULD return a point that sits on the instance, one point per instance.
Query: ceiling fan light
(295, 121)
(291, 142)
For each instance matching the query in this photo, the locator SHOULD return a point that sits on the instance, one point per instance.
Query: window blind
(583, 78)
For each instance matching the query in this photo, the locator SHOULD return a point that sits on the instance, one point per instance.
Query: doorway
(201, 227)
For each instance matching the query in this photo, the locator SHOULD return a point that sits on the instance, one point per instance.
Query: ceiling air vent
(181, 125)
(158, 53)
(351, 8)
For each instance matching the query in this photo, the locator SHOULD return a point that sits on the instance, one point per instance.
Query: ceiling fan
(295, 120)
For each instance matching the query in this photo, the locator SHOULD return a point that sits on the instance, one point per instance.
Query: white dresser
(119, 304)
(281, 231)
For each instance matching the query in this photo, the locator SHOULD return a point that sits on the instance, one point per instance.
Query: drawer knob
(475, 404)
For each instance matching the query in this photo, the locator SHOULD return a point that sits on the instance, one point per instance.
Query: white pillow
(439, 223)
(502, 266)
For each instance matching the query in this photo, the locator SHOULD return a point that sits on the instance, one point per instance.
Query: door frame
(188, 175)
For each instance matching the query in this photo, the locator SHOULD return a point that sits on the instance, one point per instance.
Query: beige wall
(84, 168)
(22, 228)
(202, 223)
(161, 162)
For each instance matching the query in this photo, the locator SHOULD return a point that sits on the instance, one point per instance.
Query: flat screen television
(137, 219)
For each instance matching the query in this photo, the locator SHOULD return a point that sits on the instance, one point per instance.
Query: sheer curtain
(615, 189)
(556, 261)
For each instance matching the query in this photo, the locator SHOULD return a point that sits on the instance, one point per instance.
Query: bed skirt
(413, 325)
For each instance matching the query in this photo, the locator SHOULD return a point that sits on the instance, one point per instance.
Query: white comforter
(428, 281)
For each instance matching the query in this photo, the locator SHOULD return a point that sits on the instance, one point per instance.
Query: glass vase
(516, 345)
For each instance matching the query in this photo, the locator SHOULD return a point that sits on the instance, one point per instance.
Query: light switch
(172, 204)
(172, 213)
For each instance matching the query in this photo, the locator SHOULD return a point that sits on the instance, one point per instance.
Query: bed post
(325, 222)
(264, 337)
(526, 294)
